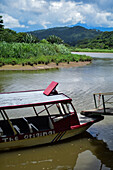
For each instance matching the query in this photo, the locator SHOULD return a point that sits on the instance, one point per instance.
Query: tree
(8, 35)
(1, 23)
(20, 37)
(44, 41)
(54, 39)
(29, 38)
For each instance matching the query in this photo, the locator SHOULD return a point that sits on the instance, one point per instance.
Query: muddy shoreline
(43, 66)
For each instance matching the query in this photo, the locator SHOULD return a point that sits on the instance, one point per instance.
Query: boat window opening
(49, 110)
(20, 112)
(59, 108)
(2, 117)
(73, 109)
(70, 108)
(53, 109)
(42, 109)
(63, 108)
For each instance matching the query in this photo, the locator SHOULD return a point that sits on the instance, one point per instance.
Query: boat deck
(83, 119)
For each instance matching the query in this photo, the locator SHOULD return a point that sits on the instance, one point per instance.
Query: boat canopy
(30, 98)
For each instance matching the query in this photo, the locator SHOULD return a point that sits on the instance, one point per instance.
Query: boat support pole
(49, 113)
(47, 110)
(10, 123)
(35, 111)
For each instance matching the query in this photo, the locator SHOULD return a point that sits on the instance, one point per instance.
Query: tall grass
(40, 53)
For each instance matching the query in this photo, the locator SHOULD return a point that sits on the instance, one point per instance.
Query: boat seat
(30, 125)
(40, 122)
(6, 128)
(1, 131)
(33, 127)
(17, 129)
(57, 118)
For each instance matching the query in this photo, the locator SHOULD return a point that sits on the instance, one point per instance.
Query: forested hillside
(70, 35)
(103, 41)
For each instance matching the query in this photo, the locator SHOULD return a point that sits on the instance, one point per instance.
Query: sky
(30, 15)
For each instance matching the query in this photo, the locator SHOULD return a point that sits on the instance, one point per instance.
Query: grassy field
(40, 53)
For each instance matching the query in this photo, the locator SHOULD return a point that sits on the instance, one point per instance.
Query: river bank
(43, 66)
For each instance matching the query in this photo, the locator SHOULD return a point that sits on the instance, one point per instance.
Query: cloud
(97, 17)
(52, 13)
(32, 22)
(61, 13)
(45, 23)
(11, 22)
(70, 13)
(66, 12)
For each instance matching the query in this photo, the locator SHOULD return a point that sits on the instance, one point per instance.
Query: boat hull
(42, 138)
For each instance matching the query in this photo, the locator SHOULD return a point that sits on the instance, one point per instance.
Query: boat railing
(103, 100)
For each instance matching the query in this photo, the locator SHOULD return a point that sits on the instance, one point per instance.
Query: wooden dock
(103, 105)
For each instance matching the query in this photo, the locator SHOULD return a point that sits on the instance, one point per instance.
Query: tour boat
(36, 117)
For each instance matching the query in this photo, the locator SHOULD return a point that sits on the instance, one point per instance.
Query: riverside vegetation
(37, 53)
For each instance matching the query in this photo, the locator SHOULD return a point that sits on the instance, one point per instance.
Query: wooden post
(103, 104)
(95, 100)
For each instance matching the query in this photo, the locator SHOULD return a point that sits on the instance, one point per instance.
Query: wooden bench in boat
(25, 125)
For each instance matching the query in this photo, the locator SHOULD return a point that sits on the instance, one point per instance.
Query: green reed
(40, 53)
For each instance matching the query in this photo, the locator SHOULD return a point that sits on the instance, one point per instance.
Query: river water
(92, 150)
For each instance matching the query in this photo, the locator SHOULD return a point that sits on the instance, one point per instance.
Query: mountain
(70, 35)
(102, 41)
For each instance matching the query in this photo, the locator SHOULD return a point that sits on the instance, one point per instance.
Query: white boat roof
(29, 98)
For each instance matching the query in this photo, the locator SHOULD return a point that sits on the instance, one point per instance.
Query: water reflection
(82, 152)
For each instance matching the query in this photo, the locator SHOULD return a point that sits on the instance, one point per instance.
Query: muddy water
(83, 152)
(92, 150)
